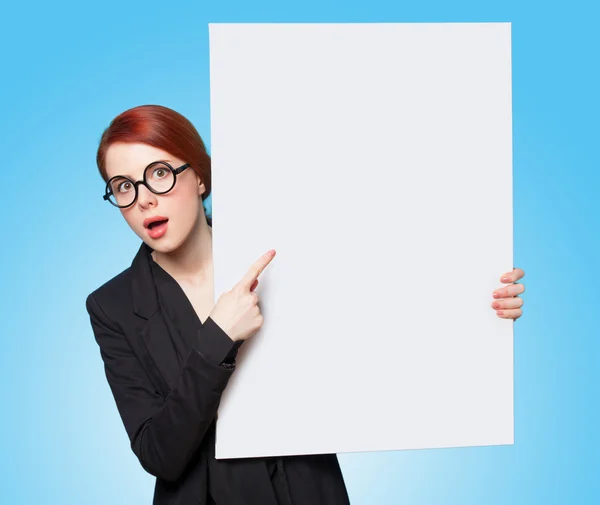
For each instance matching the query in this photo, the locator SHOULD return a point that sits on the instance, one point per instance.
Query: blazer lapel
(153, 332)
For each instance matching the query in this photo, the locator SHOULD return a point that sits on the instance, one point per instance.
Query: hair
(160, 127)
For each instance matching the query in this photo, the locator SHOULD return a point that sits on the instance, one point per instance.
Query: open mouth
(154, 224)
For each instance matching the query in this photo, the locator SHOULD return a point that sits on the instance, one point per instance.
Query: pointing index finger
(257, 269)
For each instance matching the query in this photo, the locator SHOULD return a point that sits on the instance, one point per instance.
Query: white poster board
(377, 160)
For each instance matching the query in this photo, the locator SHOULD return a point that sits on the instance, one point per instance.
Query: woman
(168, 350)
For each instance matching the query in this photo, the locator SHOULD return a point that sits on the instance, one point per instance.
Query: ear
(201, 186)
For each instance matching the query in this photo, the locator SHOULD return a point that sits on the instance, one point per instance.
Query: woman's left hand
(506, 300)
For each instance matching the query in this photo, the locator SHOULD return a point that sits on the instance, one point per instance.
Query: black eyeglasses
(159, 177)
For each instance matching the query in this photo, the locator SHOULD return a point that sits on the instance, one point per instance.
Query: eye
(159, 173)
(124, 186)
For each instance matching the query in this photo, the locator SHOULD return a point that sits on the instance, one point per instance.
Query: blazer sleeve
(164, 432)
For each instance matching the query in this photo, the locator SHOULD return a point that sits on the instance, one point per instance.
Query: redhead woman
(168, 349)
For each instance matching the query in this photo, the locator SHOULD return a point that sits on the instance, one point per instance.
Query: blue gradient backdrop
(68, 69)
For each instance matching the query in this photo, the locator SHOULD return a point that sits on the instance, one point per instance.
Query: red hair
(160, 127)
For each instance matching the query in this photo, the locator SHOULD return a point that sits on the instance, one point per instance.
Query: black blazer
(169, 409)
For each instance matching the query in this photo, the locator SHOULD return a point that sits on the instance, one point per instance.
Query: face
(182, 206)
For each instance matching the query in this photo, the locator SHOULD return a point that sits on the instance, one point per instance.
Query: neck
(193, 260)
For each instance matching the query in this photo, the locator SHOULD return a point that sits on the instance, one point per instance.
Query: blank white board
(377, 160)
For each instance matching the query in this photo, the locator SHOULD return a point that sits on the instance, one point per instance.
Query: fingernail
(496, 295)
(505, 279)
(496, 305)
(500, 312)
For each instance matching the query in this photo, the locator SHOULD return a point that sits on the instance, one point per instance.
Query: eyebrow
(129, 175)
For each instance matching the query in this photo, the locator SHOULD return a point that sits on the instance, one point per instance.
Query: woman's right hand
(236, 311)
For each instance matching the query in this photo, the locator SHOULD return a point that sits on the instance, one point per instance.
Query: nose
(145, 197)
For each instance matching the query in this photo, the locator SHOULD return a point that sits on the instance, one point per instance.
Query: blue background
(68, 69)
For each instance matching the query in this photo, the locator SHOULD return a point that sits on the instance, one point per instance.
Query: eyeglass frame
(175, 171)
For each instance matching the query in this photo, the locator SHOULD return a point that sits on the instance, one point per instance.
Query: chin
(172, 240)
(160, 247)
(164, 244)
